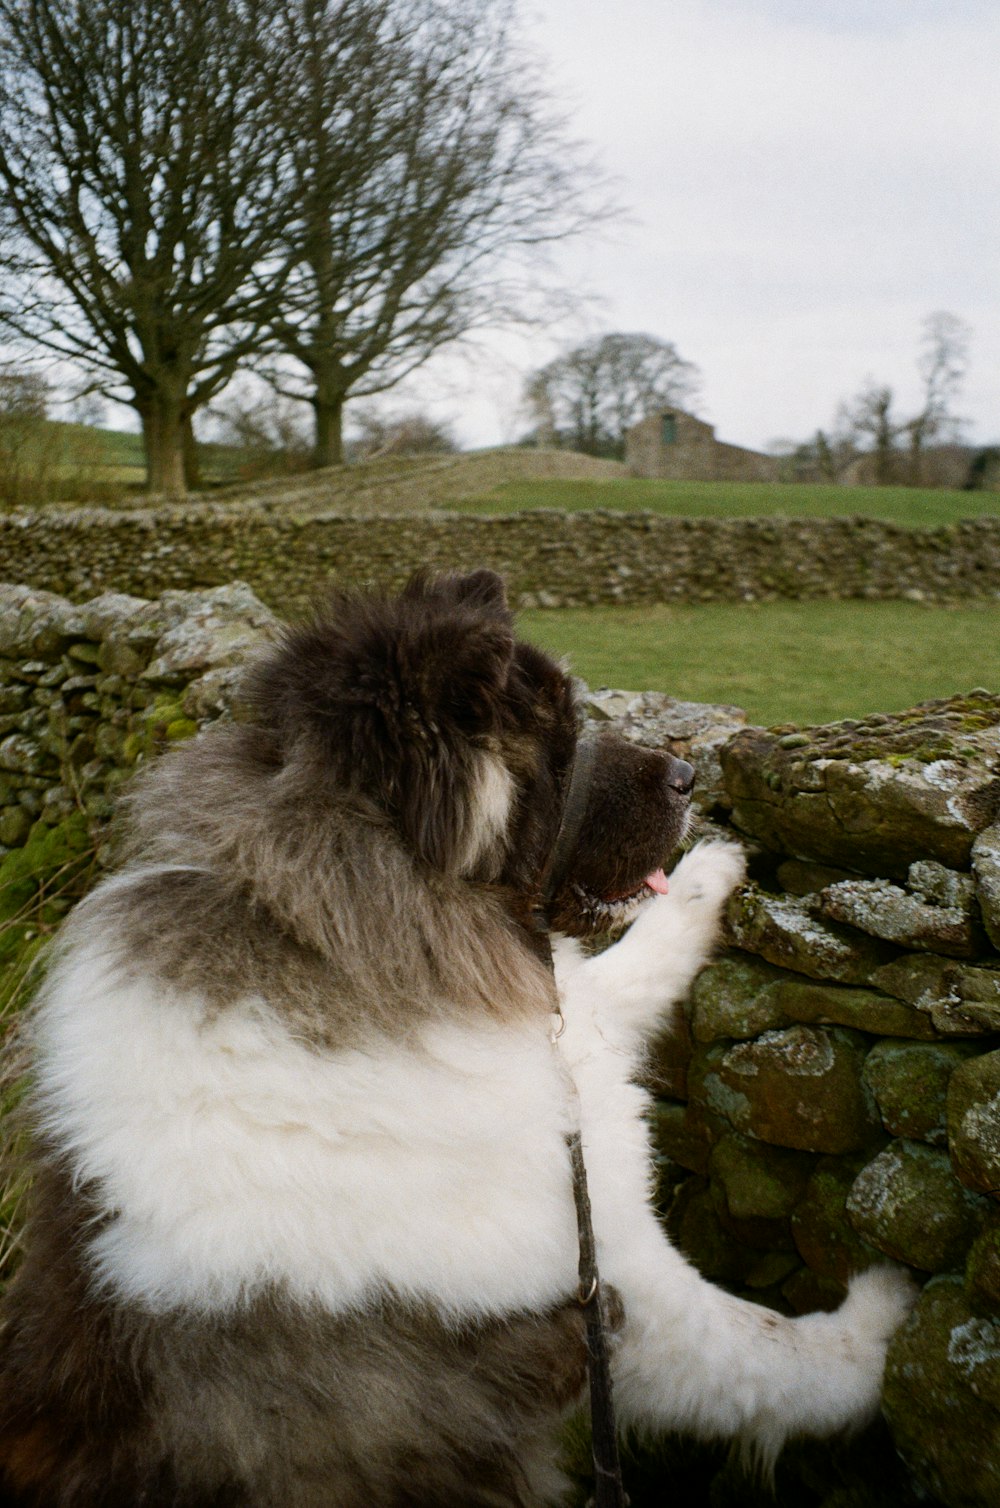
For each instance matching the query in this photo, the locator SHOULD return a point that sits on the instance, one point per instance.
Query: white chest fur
(232, 1156)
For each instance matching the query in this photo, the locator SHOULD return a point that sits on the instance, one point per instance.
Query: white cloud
(808, 181)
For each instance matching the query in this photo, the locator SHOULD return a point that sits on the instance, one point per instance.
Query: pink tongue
(658, 881)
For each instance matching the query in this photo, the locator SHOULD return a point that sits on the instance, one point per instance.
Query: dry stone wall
(550, 559)
(831, 1096)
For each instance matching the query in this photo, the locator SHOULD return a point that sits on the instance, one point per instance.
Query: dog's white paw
(708, 875)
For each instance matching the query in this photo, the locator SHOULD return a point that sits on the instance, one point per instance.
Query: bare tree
(942, 365)
(589, 397)
(873, 425)
(431, 174)
(870, 422)
(410, 432)
(146, 196)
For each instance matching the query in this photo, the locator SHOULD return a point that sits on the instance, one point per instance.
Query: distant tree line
(898, 447)
(326, 190)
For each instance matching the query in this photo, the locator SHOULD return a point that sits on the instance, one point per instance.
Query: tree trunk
(163, 443)
(192, 460)
(328, 449)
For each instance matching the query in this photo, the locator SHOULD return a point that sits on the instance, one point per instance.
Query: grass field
(804, 662)
(901, 505)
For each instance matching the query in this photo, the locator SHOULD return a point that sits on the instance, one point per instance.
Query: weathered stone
(940, 886)
(942, 1397)
(119, 658)
(741, 996)
(786, 932)
(735, 998)
(909, 1204)
(986, 869)
(886, 911)
(759, 1181)
(694, 1224)
(679, 1136)
(873, 796)
(15, 824)
(824, 1236)
(975, 982)
(215, 693)
(22, 755)
(910, 1083)
(806, 1292)
(974, 1122)
(800, 1088)
(771, 1269)
(799, 878)
(982, 1270)
(945, 991)
(223, 627)
(839, 1005)
(978, 991)
(110, 610)
(35, 622)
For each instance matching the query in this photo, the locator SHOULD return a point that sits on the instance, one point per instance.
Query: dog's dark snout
(680, 776)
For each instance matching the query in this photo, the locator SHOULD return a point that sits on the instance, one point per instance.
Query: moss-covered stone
(823, 1233)
(986, 869)
(910, 1083)
(800, 878)
(838, 1005)
(909, 1204)
(62, 850)
(982, 1269)
(974, 1122)
(800, 1088)
(759, 1182)
(679, 1136)
(695, 1225)
(887, 911)
(940, 886)
(873, 796)
(785, 931)
(942, 1397)
(735, 998)
(958, 999)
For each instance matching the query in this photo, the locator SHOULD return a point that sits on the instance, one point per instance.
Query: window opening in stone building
(668, 429)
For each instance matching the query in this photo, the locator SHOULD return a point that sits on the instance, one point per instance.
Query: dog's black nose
(680, 776)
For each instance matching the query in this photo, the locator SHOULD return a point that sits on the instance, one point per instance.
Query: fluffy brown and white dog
(304, 1229)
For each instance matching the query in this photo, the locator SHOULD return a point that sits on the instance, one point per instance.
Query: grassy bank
(903, 505)
(806, 662)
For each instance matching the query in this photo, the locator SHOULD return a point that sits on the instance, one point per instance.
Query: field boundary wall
(550, 559)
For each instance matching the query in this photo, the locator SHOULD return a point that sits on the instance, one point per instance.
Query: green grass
(901, 505)
(803, 662)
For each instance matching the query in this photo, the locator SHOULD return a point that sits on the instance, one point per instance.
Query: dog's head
(432, 712)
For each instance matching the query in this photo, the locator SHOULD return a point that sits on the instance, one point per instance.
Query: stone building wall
(831, 1095)
(677, 446)
(548, 558)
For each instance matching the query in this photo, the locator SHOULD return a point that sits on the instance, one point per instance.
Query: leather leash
(609, 1491)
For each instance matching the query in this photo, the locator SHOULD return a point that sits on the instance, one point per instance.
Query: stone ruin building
(676, 445)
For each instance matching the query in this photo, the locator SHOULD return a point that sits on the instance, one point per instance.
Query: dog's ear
(397, 697)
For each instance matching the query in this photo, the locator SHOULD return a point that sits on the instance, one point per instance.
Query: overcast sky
(807, 180)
